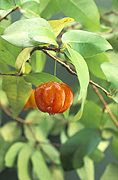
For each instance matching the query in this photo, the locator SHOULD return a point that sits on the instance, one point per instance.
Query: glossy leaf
(23, 162)
(94, 64)
(30, 9)
(12, 153)
(87, 171)
(10, 131)
(39, 78)
(84, 11)
(6, 4)
(44, 35)
(48, 8)
(86, 43)
(5, 23)
(8, 52)
(40, 167)
(111, 172)
(81, 69)
(21, 59)
(17, 91)
(58, 25)
(18, 33)
(78, 146)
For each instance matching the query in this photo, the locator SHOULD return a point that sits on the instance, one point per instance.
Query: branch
(5, 17)
(6, 110)
(105, 105)
(60, 61)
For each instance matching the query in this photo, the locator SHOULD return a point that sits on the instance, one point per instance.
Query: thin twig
(6, 110)
(5, 17)
(105, 105)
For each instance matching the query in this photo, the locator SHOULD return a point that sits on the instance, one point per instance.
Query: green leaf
(10, 131)
(97, 155)
(4, 146)
(52, 152)
(44, 125)
(111, 73)
(18, 33)
(86, 43)
(17, 91)
(92, 118)
(94, 64)
(115, 145)
(58, 25)
(23, 162)
(84, 11)
(56, 172)
(48, 8)
(43, 35)
(80, 112)
(111, 172)
(87, 171)
(21, 59)
(39, 78)
(39, 166)
(38, 60)
(30, 9)
(5, 23)
(12, 153)
(8, 52)
(78, 146)
(81, 69)
(6, 4)
(3, 67)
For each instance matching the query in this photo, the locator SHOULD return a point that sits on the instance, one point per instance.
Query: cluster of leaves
(23, 47)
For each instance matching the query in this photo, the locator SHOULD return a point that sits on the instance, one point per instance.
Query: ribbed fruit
(53, 97)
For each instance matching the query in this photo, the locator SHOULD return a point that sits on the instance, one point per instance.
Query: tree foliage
(85, 42)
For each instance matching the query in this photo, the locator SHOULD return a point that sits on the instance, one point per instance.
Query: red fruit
(53, 97)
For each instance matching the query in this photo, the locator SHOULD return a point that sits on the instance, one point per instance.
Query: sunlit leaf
(6, 4)
(111, 172)
(86, 172)
(40, 167)
(10, 131)
(24, 33)
(23, 162)
(86, 43)
(94, 64)
(83, 11)
(21, 59)
(58, 25)
(81, 69)
(30, 9)
(12, 153)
